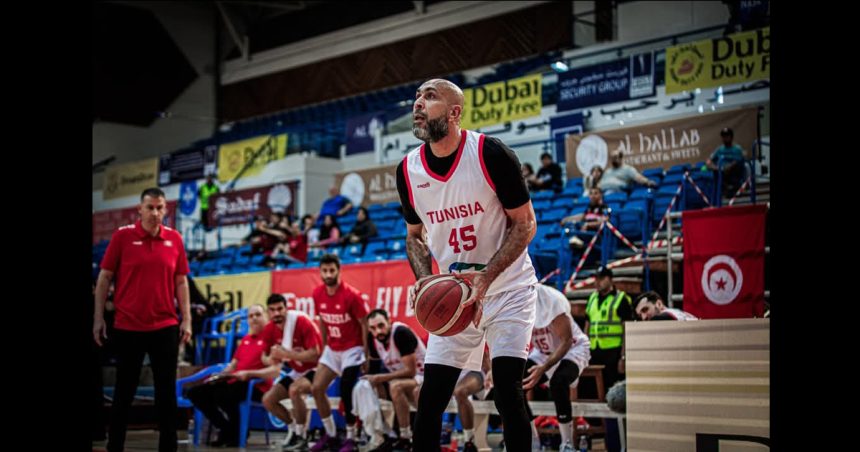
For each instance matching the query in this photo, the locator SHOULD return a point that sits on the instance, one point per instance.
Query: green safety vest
(205, 192)
(605, 329)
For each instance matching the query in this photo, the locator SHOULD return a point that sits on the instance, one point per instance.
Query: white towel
(289, 329)
(365, 405)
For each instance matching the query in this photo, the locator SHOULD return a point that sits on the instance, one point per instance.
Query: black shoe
(386, 446)
(225, 441)
(296, 444)
(402, 444)
(469, 446)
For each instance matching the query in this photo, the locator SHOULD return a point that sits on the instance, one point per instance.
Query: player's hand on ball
(414, 289)
(480, 284)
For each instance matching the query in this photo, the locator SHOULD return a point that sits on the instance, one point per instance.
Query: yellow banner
(232, 157)
(236, 291)
(130, 179)
(737, 58)
(500, 102)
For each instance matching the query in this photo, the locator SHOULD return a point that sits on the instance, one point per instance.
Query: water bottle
(447, 430)
(583, 443)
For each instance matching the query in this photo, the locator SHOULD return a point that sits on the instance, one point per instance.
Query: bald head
(437, 111)
(452, 93)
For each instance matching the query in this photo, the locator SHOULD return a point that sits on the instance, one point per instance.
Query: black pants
(219, 401)
(438, 387)
(559, 386)
(732, 179)
(348, 379)
(163, 349)
(608, 357)
(204, 219)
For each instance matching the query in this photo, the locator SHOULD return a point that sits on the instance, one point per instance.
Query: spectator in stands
(548, 177)
(363, 230)
(150, 265)
(588, 221)
(220, 396)
(329, 233)
(592, 179)
(337, 205)
(283, 232)
(271, 233)
(256, 237)
(732, 164)
(309, 228)
(204, 192)
(298, 243)
(650, 306)
(528, 174)
(619, 176)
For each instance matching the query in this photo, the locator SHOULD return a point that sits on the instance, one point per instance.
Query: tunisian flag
(724, 262)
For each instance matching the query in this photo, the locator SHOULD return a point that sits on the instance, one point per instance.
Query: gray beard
(436, 129)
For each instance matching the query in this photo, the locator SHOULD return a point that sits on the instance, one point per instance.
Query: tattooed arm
(417, 251)
(517, 238)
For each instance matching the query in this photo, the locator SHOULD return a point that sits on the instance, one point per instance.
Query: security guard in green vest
(607, 310)
(206, 190)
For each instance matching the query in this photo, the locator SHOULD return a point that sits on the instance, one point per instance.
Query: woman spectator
(363, 230)
(329, 233)
(591, 179)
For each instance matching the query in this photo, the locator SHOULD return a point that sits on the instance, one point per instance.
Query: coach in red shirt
(149, 263)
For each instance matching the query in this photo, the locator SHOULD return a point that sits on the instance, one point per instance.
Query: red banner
(384, 285)
(724, 262)
(240, 206)
(108, 221)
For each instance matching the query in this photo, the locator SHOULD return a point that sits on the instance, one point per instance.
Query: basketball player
(344, 327)
(650, 306)
(298, 350)
(465, 201)
(401, 353)
(560, 352)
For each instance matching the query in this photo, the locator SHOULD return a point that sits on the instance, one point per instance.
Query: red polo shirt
(249, 356)
(145, 268)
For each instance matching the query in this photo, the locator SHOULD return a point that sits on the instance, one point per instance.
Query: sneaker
(469, 446)
(349, 445)
(386, 446)
(326, 443)
(566, 447)
(402, 444)
(289, 438)
(576, 242)
(298, 444)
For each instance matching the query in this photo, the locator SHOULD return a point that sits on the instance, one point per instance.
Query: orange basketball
(438, 305)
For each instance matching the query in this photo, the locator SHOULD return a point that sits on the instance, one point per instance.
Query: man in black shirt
(548, 177)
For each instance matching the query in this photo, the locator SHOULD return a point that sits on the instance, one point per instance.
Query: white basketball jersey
(679, 314)
(552, 303)
(465, 221)
(391, 356)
